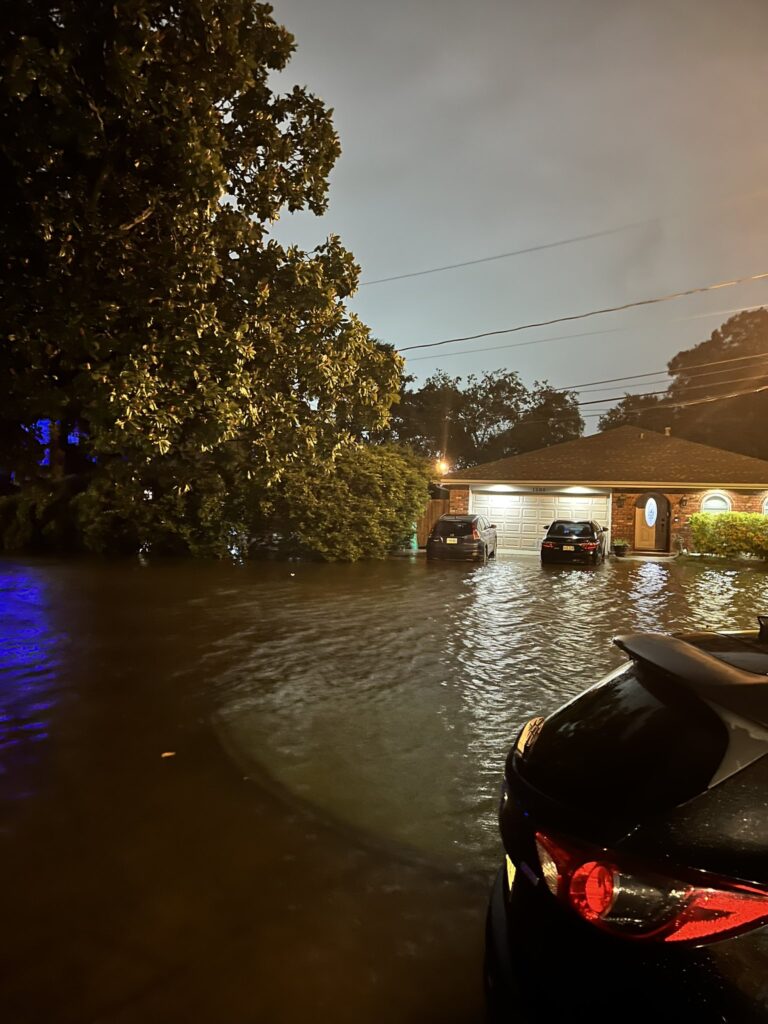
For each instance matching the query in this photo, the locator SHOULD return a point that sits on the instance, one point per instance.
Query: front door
(652, 523)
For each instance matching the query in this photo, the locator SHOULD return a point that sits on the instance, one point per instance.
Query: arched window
(716, 502)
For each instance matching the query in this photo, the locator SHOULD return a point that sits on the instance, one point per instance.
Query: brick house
(641, 484)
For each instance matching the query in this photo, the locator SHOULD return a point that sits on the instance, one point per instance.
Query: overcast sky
(475, 128)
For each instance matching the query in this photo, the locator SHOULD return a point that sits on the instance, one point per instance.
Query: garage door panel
(521, 518)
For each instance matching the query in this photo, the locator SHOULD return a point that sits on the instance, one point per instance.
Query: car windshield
(570, 530)
(454, 528)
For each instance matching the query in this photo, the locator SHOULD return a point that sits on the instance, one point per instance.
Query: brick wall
(623, 518)
(459, 501)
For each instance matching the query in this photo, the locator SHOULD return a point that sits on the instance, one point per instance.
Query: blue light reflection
(27, 648)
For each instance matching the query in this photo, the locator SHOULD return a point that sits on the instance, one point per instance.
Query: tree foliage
(145, 155)
(733, 359)
(486, 418)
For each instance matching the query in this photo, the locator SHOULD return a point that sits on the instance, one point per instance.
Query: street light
(442, 467)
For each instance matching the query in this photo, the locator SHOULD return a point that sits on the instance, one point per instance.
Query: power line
(649, 394)
(594, 312)
(660, 405)
(686, 387)
(514, 252)
(632, 384)
(619, 398)
(706, 399)
(716, 312)
(653, 373)
(520, 344)
(551, 245)
(585, 334)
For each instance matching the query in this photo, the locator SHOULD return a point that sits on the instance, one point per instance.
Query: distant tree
(493, 405)
(428, 419)
(144, 157)
(550, 417)
(738, 424)
(637, 410)
(733, 359)
(487, 418)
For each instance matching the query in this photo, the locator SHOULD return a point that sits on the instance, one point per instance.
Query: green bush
(730, 534)
(363, 505)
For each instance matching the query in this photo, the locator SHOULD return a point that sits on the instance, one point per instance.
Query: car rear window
(570, 530)
(637, 742)
(463, 528)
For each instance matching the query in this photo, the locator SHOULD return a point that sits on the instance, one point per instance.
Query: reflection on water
(389, 698)
(28, 663)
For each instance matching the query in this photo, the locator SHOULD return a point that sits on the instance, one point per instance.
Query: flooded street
(318, 841)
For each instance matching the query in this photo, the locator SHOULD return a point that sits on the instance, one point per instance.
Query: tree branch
(129, 225)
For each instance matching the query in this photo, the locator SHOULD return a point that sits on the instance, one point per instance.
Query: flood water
(267, 793)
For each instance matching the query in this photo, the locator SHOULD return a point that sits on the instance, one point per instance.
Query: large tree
(733, 359)
(488, 417)
(147, 311)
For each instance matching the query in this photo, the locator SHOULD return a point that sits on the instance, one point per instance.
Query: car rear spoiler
(745, 693)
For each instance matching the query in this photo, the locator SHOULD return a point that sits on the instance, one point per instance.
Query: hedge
(730, 534)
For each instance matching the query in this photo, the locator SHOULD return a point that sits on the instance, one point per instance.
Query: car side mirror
(547, 526)
(604, 529)
(493, 526)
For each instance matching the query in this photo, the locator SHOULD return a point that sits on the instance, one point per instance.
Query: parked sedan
(470, 536)
(570, 540)
(635, 829)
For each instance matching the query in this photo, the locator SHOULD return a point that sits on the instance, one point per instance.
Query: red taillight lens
(712, 912)
(636, 904)
(547, 544)
(592, 889)
(589, 546)
(475, 534)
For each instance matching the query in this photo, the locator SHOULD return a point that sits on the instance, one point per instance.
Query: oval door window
(651, 512)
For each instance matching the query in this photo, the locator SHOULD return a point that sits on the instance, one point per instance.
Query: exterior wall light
(620, 501)
(683, 502)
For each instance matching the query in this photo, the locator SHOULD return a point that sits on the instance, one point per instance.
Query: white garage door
(520, 518)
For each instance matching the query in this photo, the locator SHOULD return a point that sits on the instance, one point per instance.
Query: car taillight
(636, 904)
(547, 544)
(589, 546)
(475, 534)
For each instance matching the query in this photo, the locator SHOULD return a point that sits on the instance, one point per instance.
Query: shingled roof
(623, 457)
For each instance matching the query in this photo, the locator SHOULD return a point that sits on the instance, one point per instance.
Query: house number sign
(651, 512)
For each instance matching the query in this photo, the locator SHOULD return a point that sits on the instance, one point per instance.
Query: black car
(570, 540)
(635, 825)
(470, 536)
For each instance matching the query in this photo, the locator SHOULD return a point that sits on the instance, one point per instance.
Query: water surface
(391, 703)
